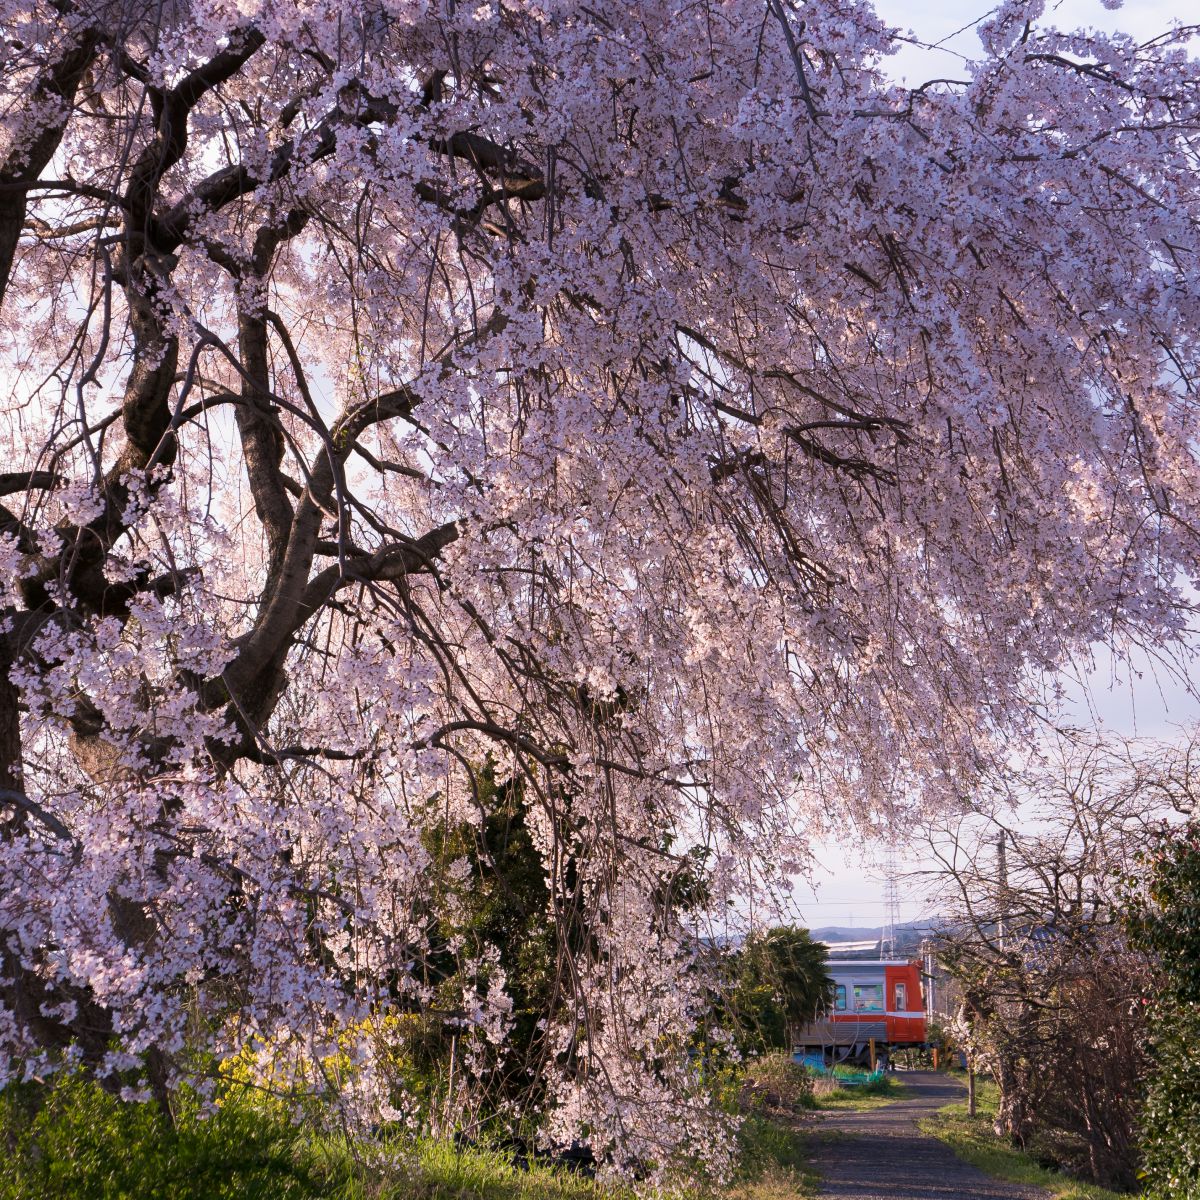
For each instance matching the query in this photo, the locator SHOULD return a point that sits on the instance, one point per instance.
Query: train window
(868, 997)
(902, 997)
(839, 998)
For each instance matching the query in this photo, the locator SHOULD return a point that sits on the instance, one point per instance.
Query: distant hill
(854, 941)
(863, 941)
(846, 933)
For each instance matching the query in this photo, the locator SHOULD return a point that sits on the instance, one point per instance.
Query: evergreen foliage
(781, 982)
(489, 890)
(1165, 920)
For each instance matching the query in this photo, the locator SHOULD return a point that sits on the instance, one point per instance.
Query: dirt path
(881, 1155)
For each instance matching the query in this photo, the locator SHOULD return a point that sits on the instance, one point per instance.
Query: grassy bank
(973, 1139)
(774, 1162)
(72, 1141)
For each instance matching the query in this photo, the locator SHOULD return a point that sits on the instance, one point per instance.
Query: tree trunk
(10, 733)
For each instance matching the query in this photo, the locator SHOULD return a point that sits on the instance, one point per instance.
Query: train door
(906, 1019)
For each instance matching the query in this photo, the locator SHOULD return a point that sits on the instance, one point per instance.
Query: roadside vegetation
(774, 1162)
(67, 1137)
(781, 1086)
(1053, 994)
(1073, 957)
(974, 1139)
(71, 1140)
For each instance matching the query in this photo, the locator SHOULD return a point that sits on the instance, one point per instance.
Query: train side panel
(878, 1001)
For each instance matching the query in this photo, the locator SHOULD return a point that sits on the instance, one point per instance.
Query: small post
(450, 1085)
(935, 1058)
(871, 1043)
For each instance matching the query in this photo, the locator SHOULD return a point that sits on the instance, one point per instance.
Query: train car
(874, 1000)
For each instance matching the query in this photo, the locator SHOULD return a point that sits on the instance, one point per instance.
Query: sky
(1142, 701)
(938, 21)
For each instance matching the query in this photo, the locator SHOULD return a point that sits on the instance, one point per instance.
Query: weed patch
(974, 1141)
(887, 1089)
(774, 1162)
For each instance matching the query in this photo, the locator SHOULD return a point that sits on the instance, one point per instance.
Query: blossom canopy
(649, 400)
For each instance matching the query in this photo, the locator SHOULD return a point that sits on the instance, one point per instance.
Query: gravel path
(881, 1155)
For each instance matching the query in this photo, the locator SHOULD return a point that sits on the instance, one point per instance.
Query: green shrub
(1164, 918)
(73, 1140)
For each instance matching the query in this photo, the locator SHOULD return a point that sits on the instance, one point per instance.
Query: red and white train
(874, 1000)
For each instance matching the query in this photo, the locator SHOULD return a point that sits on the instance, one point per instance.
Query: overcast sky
(1145, 701)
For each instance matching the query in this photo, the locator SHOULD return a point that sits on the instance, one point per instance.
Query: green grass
(973, 1139)
(442, 1171)
(774, 1163)
(887, 1089)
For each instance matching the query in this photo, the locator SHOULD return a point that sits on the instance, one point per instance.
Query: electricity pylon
(891, 905)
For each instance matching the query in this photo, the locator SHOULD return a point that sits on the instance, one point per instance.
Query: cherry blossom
(651, 400)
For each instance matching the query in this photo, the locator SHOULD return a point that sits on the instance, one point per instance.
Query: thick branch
(262, 439)
(173, 109)
(13, 798)
(51, 99)
(25, 481)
